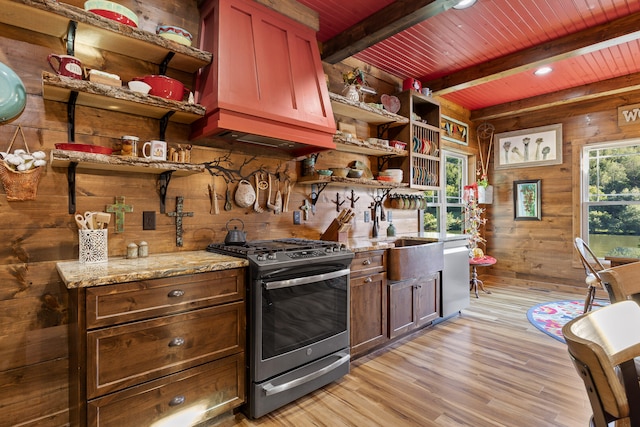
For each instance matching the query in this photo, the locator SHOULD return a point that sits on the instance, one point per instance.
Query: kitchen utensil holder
(93, 246)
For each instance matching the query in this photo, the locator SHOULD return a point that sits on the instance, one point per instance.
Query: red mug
(67, 65)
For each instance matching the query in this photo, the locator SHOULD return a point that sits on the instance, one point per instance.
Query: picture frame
(454, 130)
(541, 146)
(526, 200)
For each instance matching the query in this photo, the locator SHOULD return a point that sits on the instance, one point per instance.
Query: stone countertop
(370, 244)
(117, 270)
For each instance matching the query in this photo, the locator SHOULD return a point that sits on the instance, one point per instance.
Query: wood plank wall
(541, 253)
(37, 234)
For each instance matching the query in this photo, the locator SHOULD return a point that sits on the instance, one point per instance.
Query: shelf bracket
(383, 161)
(163, 181)
(71, 116)
(382, 129)
(164, 121)
(165, 63)
(71, 181)
(71, 37)
(316, 190)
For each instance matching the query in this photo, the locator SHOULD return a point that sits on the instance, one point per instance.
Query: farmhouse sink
(414, 258)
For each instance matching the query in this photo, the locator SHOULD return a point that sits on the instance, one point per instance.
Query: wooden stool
(484, 261)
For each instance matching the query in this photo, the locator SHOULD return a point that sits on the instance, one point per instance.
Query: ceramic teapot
(235, 236)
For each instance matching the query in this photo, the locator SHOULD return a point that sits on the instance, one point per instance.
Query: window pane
(432, 218)
(455, 219)
(455, 178)
(612, 204)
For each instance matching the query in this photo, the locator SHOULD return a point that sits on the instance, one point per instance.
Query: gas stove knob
(328, 250)
(261, 257)
(272, 255)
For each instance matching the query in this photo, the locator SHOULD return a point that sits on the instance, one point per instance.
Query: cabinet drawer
(185, 398)
(369, 262)
(125, 355)
(144, 299)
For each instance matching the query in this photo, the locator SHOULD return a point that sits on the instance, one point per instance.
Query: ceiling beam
(616, 32)
(386, 22)
(588, 92)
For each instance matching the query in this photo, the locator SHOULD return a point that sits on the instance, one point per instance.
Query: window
(610, 198)
(455, 173)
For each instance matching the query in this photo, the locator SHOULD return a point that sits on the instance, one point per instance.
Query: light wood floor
(489, 367)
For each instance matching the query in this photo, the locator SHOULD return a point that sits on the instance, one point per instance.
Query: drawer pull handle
(178, 400)
(366, 262)
(176, 293)
(176, 342)
(368, 280)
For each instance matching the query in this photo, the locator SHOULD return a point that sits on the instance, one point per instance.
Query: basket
(19, 185)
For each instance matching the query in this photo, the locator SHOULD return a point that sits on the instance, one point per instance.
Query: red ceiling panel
(459, 39)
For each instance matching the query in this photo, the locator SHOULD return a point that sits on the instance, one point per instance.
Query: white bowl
(176, 34)
(140, 87)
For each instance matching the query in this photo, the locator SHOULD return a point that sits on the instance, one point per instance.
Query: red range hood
(266, 84)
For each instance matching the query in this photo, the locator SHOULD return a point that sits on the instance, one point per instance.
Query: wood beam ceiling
(616, 32)
(615, 86)
(390, 20)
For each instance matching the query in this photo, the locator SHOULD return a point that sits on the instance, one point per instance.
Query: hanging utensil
(227, 199)
(278, 202)
(269, 205)
(256, 205)
(245, 194)
(285, 208)
(214, 197)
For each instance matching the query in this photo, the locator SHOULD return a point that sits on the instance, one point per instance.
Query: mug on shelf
(157, 150)
(65, 65)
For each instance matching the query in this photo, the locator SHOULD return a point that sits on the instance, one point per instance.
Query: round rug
(550, 317)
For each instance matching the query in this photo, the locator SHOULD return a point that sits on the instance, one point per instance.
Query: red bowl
(85, 148)
(165, 87)
(114, 16)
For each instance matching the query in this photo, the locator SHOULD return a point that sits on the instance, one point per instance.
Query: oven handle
(270, 389)
(305, 280)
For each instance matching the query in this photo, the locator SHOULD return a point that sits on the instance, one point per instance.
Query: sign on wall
(629, 115)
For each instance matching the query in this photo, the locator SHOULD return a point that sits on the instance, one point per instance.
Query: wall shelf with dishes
(75, 26)
(88, 162)
(53, 18)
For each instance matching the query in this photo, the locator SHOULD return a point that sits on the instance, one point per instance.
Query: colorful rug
(550, 317)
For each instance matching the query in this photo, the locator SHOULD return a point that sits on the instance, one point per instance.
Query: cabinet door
(402, 306)
(368, 312)
(260, 67)
(427, 299)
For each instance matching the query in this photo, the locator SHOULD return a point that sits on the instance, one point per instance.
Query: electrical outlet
(148, 220)
(296, 217)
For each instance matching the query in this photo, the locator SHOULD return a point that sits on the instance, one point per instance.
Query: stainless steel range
(297, 318)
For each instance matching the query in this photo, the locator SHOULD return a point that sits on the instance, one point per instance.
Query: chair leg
(588, 302)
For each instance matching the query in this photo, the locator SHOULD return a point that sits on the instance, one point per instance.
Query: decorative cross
(179, 214)
(338, 202)
(119, 208)
(305, 209)
(353, 199)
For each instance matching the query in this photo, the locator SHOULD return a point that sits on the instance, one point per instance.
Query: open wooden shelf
(364, 112)
(355, 182)
(362, 147)
(119, 99)
(53, 18)
(93, 161)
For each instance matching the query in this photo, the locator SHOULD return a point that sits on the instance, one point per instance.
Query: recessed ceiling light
(464, 4)
(542, 71)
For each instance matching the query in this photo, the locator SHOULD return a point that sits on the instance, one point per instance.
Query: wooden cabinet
(422, 166)
(368, 301)
(413, 303)
(155, 348)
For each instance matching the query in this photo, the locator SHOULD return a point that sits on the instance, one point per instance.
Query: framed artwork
(454, 130)
(526, 200)
(539, 146)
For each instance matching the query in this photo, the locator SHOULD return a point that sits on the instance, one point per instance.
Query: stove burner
(295, 246)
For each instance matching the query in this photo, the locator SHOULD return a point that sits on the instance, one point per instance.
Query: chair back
(589, 260)
(622, 282)
(603, 345)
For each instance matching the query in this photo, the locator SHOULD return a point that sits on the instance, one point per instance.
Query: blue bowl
(13, 95)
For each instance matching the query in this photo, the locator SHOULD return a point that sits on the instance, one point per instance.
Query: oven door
(298, 318)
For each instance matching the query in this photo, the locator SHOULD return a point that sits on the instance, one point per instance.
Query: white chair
(602, 345)
(591, 266)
